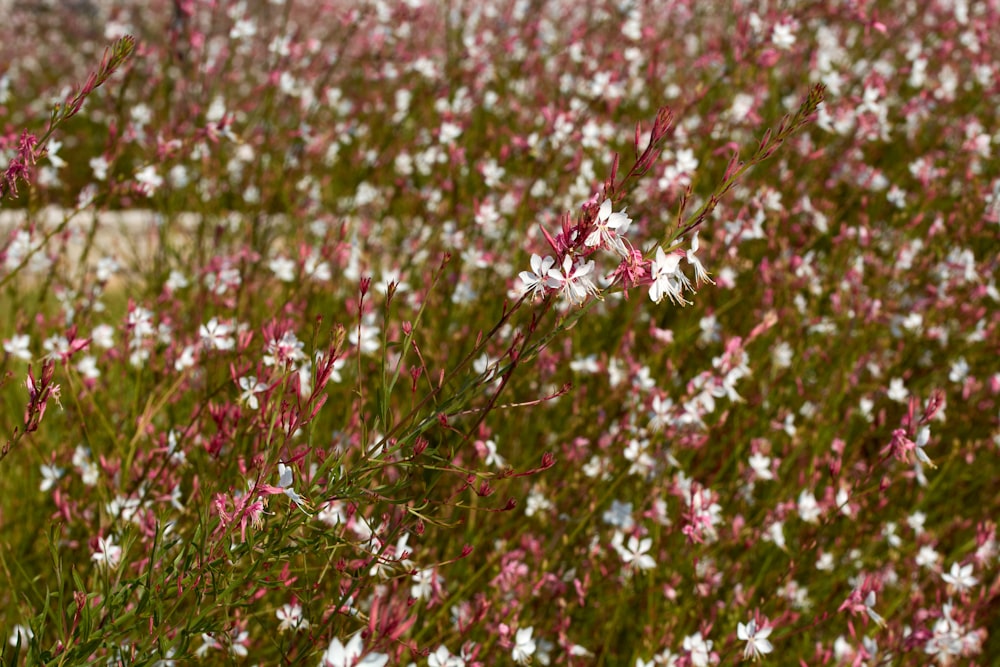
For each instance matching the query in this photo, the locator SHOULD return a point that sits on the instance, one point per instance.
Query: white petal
(655, 292)
(605, 210)
(536, 264)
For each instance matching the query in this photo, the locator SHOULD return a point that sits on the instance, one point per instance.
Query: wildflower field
(460, 333)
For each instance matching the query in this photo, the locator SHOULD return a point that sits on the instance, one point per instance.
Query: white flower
(667, 280)
(251, 387)
(700, 274)
(424, 583)
(524, 646)
(923, 437)
(442, 657)
(699, 649)
(18, 346)
(533, 282)
(108, 553)
(238, 642)
(662, 408)
(87, 367)
(291, 618)
(608, 230)
(492, 458)
(283, 269)
(756, 639)
(619, 515)
(50, 475)
(216, 335)
(761, 466)
(99, 165)
(916, 522)
(776, 533)
(927, 556)
(870, 609)
(148, 179)
(573, 280)
(783, 36)
(316, 268)
(20, 633)
(808, 507)
(176, 281)
(208, 642)
(338, 655)
(366, 336)
(960, 577)
(285, 483)
(959, 370)
(636, 554)
(897, 391)
(825, 562)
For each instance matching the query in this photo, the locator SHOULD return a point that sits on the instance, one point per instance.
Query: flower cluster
(573, 277)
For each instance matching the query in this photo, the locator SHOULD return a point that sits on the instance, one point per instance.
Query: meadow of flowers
(455, 333)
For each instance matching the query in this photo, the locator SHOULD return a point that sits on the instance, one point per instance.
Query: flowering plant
(394, 333)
